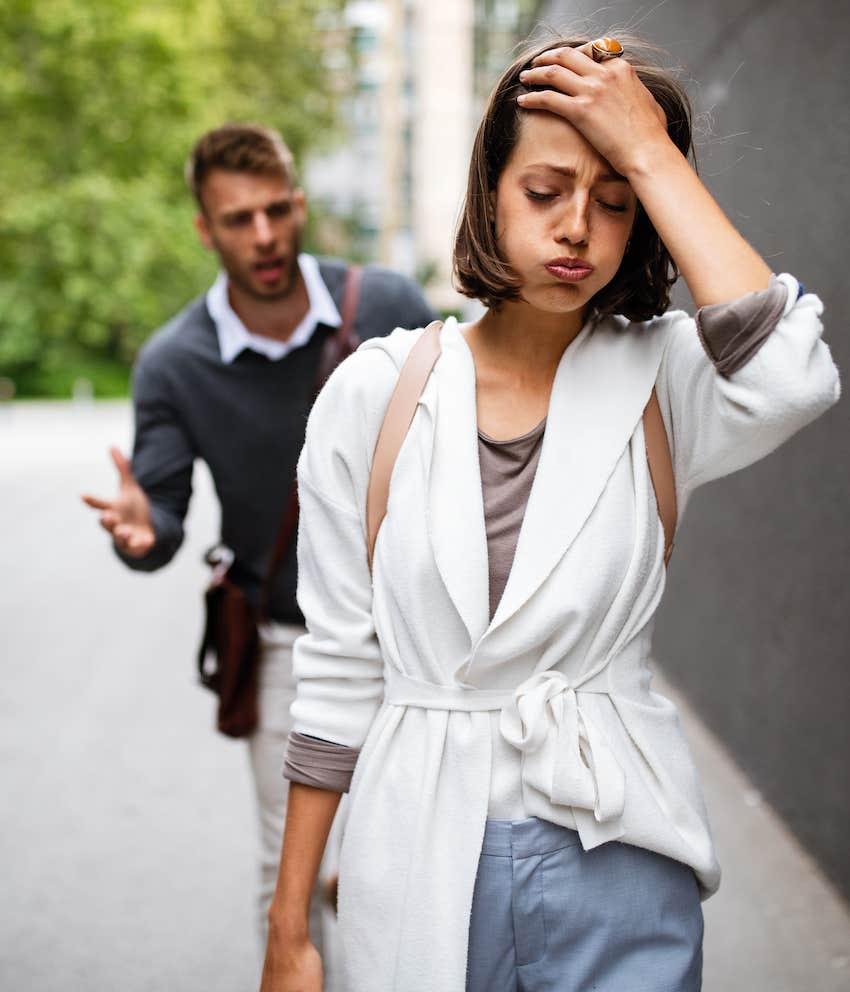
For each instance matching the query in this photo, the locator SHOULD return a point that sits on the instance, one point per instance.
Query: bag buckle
(220, 558)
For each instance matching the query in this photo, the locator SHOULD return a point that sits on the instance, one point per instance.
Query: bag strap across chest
(336, 347)
(399, 416)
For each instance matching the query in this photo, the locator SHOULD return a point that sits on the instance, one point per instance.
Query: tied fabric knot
(585, 773)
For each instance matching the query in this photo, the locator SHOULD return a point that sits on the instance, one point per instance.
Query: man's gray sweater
(246, 420)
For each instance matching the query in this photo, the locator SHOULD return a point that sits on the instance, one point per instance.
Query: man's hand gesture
(128, 516)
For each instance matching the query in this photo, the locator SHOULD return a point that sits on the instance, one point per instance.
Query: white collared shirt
(234, 336)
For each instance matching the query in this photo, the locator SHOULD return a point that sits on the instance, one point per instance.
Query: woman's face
(563, 216)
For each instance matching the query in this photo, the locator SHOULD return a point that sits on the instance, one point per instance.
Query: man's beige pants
(266, 747)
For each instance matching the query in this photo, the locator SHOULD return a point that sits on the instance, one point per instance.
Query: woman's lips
(569, 269)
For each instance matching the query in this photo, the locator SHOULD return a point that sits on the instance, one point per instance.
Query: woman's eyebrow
(571, 173)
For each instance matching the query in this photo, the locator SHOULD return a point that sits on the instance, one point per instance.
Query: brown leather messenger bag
(399, 416)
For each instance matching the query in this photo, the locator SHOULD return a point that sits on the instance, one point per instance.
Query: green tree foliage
(101, 101)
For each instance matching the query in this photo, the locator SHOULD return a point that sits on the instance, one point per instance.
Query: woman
(525, 813)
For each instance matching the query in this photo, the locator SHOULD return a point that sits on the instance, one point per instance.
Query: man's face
(253, 223)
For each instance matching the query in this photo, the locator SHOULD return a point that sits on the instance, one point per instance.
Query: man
(230, 380)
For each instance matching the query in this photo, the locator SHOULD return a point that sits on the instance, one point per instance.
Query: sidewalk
(775, 925)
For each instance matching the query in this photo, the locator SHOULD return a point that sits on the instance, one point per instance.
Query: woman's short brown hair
(641, 287)
(238, 147)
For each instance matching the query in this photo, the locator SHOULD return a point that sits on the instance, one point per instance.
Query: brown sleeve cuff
(732, 333)
(319, 763)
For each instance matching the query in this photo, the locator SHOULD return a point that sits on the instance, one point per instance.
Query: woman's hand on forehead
(606, 101)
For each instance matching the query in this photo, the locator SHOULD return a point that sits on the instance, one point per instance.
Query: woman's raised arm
(617, 114)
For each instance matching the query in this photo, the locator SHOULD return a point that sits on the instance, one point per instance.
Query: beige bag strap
(399, 416)
(397, 420)
(661, 470)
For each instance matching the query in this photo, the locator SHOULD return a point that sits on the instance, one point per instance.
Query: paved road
(127, 829)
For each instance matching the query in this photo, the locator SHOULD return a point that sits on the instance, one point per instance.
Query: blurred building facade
(423, 70)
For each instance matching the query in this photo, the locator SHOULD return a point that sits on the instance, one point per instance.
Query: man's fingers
(110, 518)
(120, 535)
(107, 521)
(140, 544)
(121, 545)
(122, 463)
(138, 537)
(96, 503)
(133, 540)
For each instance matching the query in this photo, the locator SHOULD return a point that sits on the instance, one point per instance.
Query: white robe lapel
(601, 387)
(455, 502)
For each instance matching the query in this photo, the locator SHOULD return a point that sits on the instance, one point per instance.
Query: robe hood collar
(602, 384)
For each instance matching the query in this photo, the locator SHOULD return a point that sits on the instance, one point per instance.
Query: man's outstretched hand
(128, 516)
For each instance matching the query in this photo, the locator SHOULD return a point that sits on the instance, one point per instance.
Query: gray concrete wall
(755, 627)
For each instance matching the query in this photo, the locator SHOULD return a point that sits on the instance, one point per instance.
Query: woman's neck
(516, 351)
(529, 341)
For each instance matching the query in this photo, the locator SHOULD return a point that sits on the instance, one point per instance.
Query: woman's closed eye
(540, 196)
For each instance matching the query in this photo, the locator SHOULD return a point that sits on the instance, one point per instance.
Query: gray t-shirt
(507, 472)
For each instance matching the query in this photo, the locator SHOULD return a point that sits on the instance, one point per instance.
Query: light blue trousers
(548, 916)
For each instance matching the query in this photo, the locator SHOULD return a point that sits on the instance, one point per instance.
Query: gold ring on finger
(603, 49)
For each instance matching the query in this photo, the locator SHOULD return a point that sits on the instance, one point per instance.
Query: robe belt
(585, 774)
